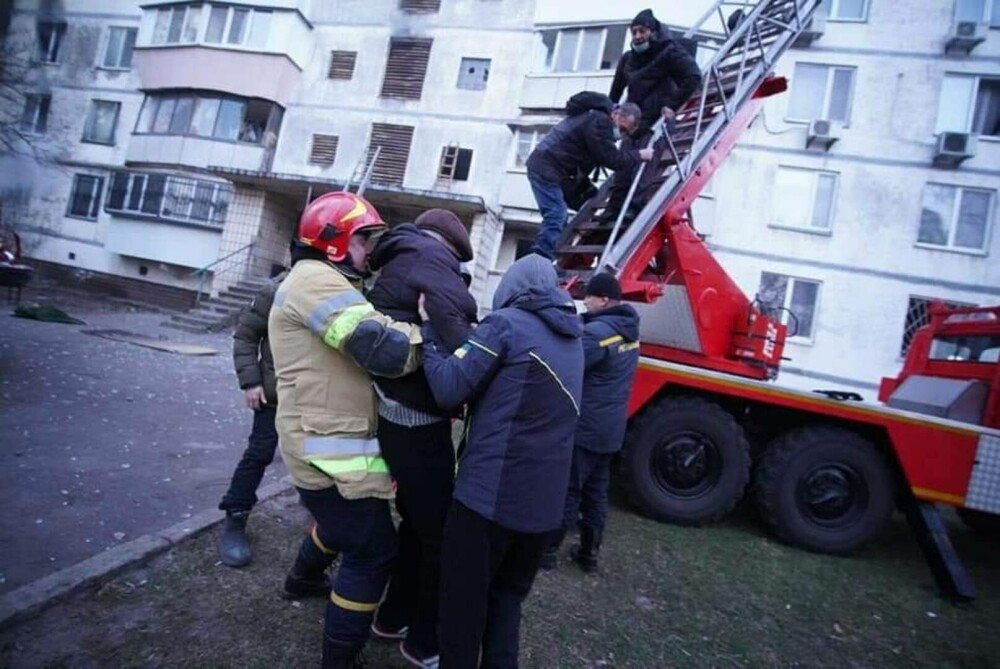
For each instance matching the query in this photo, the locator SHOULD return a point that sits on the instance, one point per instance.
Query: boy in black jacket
(414, 433)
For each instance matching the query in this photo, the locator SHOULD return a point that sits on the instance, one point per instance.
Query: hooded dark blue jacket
(412, 263)
(611, 354)
(522, 372)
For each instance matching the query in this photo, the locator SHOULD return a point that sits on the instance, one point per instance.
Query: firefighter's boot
(308, 577)
(234, 549)
(341, 655)
(585, 553)
(550, 558)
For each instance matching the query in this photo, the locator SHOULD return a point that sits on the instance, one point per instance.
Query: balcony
(247, 50)
(551, 90)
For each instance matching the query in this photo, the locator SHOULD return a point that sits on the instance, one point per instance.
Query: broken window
(50, 36)
(118, 53)
(342, 64)
(406, 67)
(35, 117)
(102, 119)
(393, 143)
(324, 150)
(473, 73)
(455, 163)
(85, 198)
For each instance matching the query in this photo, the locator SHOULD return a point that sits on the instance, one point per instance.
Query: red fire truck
(709, 423)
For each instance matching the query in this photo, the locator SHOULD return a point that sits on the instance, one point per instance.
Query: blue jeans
(552, 205)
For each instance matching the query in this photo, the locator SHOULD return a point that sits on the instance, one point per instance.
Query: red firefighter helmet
(329, 221)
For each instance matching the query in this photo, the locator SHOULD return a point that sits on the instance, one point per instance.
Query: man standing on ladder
(660, 74)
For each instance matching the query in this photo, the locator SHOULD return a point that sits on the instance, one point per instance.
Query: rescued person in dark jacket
(570, 151)
(660, 75)
(521, 371)
(611, 353)
(414, 432)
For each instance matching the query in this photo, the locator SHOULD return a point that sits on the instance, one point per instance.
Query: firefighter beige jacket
(325, 337)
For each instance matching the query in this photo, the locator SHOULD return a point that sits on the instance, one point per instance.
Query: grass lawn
(727, 595)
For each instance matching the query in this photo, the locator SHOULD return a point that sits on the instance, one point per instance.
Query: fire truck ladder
(755, 34)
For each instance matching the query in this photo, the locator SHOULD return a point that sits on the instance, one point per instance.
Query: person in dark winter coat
(414, 433)
(570, 151)
(660, 75)
(611, 354)
(255, 371)
(522, 372)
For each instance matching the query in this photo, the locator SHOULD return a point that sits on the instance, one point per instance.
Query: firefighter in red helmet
(327, 341)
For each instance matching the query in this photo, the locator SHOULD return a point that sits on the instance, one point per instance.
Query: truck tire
(685, 461)
(981, 523)
(826, 489)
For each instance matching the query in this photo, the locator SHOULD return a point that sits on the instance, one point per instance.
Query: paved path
(104, 441)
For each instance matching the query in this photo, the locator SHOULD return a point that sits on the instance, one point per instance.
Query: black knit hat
(449, 226)
(646, 18)
(604, 285)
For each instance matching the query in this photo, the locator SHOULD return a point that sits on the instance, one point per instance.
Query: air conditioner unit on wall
(823, 134)
(953, 148)
(814, 29)
(965, 36)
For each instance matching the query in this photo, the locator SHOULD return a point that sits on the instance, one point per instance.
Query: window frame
(91, 117)
(970, 111)
(95, 197)
(787, 302)
(537, 135)
(197, 96)
(814, 187)
(170, 182)
(461, 71)
(993, 22)
(953, 221)
(835, 5)
(40, 97)
(102, 64)
(904, 345)
(50, 54)
(548, 66)
(827, 95)
(458, 149)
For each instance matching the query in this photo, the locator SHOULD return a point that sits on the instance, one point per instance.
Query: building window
(393, 145)
(474, 73)
(50, 37)
(527, 140)
(980, 11)
(583, 49)
(804, 199)
(792, 301)
(324, 150)
(956, 217)
(102, 119)
(918, 315)
(206, 115)
(179, 24)
(455, 163)
(238, 26)
(118, 53)
(169, 197)
(406, 67)
(35, 117)
(85, 199)
(420, 6)
(969, 103)
(821, 92)
(342, 64)
(849, 10)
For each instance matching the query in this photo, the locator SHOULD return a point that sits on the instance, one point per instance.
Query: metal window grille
(394, 141)
(918, 315)
(324, 150)
(406, 67)
(342, 64)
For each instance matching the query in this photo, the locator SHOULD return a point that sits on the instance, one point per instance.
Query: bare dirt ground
(724, 596)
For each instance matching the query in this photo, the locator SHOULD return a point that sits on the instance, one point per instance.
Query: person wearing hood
(422, 258)
(521, 371)
(611, 354)
(660, 74)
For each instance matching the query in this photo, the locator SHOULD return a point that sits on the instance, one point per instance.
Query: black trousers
(587, 495)
(422, 462)
(486, 573)
(621, 180)
(259, 453)
(361, 531)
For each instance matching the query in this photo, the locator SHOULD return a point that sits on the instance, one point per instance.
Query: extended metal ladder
(752, 36)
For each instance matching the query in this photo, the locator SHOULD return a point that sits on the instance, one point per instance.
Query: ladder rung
(590, 249)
